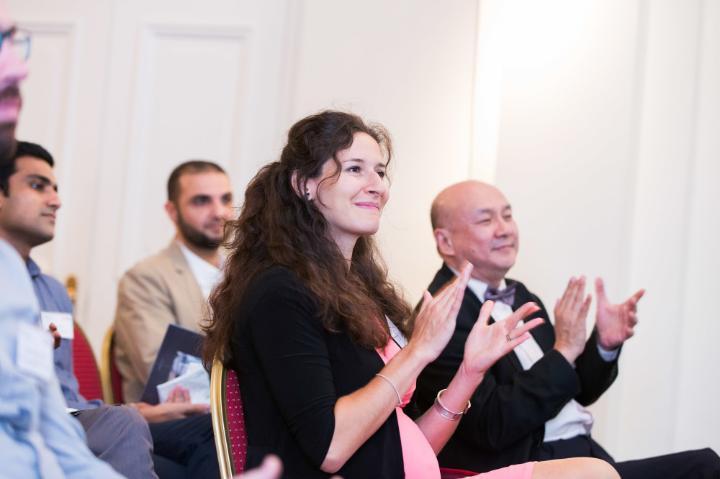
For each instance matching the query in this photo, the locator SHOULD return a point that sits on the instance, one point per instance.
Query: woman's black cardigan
(292, 371)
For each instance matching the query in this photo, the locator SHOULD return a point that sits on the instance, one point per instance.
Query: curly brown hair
(280, 226)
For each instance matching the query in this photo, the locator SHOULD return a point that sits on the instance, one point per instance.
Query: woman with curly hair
(317, 334)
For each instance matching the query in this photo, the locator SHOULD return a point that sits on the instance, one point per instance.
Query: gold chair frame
(218, 411)
(105, 362)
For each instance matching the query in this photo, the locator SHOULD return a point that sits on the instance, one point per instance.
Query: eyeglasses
(18, 40)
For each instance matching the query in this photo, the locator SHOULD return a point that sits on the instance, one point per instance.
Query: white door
(122, 91)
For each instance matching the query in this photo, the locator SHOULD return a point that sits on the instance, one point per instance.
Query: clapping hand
(615, 323)
(435, 322)
(571, 311)
(487, 343)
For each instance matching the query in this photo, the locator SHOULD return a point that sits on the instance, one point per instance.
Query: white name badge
(63, 321)
(35, 352)
(396, 334)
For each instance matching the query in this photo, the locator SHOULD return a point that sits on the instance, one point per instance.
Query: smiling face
(474, 223)
(352, 202)
(28, 210)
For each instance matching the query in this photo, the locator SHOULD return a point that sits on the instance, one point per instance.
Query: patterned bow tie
(506, 295)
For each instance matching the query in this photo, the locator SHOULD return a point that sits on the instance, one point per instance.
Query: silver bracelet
(445, 412)
(393, 386)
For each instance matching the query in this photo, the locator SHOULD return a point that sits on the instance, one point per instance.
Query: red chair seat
(450, 473)
(85, 366)
(235, 421)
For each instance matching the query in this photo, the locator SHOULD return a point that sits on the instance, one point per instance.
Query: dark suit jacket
(506, 422)
(292, 371)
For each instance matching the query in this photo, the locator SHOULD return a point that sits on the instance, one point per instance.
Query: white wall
(409, 65)
(597, 117)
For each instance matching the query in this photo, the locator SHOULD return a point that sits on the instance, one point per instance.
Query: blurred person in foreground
(38, 439)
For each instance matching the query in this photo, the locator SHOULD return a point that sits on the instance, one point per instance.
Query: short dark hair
(24, 148)
(188, 167)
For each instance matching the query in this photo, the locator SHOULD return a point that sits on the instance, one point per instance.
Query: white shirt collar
(478, 287)
(206, 274)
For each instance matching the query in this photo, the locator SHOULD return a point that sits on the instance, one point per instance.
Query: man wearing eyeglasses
(37, 437)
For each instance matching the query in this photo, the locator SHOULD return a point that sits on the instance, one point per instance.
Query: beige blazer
(159, 291)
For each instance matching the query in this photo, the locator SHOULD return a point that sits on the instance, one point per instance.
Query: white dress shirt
(206, 274)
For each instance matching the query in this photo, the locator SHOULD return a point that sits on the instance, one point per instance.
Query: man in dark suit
(531, 404)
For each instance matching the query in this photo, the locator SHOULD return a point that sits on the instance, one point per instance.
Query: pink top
(418, 456)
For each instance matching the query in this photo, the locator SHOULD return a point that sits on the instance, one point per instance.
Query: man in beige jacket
(172, 286)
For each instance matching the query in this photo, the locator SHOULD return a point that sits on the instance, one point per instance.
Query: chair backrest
(109, 373)
(85, 366)
(449, 473)
(228, 420)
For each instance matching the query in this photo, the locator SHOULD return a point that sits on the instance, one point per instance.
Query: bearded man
(172, 286)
